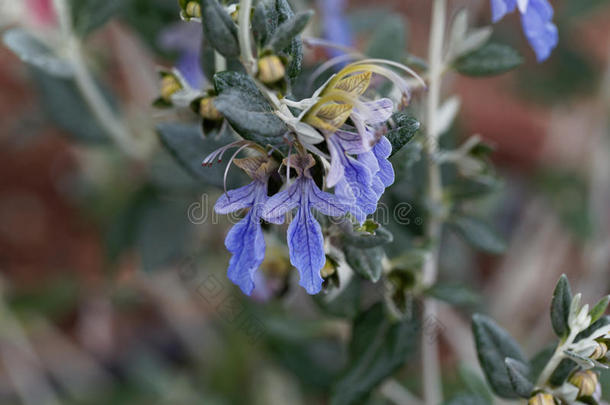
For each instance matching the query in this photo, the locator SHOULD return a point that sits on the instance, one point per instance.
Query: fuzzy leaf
(478, 233)
(378, 348)
(560, 306)
(248, 111)
(517, 373)
(264, 22)
(219, 29)
(365, 262)
(288, 30)
(405, 130)
(294, 51)
(494, 345)
(89, 15)
(489, 60)
(33, 52)
(599, 309)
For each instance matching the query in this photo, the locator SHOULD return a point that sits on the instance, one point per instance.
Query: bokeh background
(112, 286)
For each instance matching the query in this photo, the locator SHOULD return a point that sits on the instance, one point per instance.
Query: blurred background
(112, 267)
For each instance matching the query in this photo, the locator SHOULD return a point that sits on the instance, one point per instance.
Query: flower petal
(382, 151)
(352, 142)
(306, 247)
(499, 8)
(282, 202)
(378, 111)
(539, 29)
(336, 162)
(326, 203)
(245, 241)
(237, 199)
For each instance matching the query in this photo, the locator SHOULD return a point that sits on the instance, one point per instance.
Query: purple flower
(361, 180)
(536, 19)
(305, 240)
(336, 26)
(185, 37)
(245, 240)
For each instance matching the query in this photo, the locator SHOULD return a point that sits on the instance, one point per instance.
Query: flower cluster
(339, 143)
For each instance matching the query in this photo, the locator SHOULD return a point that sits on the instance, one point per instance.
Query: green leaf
(600, 323)
(539, 361)
(560, 306)
(365, 262)
(264, 22)
(65, 106)
(365, 240)
(248, 111)
(294, 52)
(491, 59)
(188, 147)
(405, 129)
(457, 295)
(562, 372)
(378, 348)
(467, 399)
(285, 32)
(219, 29)
(346, 304)
(599, 309)
(494, 345)
(389, 39)
(33, 52)
(478, 233)
(89, 15)
(475, 383)
(517, 373)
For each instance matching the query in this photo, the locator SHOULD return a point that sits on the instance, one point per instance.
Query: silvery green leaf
(562, 372)
(473, 41)
(518, 374)
(288, 30)
(404, 131)
(474, 382)
(32, 51)
(580, 360)
(445, 115)
(478, 233)
(599, 309)
(560, 306)
(493, 346)
(219, 29)
(294, 52)
(490, 59)
(459, 26)
(264, 21)
(365, 262)
(247, 110)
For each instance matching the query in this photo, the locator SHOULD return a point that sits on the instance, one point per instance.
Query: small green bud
(542, 398)
(600, 351)
(207, 109)
(270, 69)
(585, 381)
(193, 9)
(169, 86)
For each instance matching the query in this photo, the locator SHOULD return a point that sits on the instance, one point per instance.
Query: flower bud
(542, 398)
(600, 351)
(270, 69)
(328, 269)
(585, 381)
(207, 109)
(193, 9)
(169, 86)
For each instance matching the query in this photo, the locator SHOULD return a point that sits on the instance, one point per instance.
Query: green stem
(86, 85)
(245, 44)
(430, 355)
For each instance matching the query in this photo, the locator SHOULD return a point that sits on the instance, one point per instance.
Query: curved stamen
(329, 64)
(224, 179)
(311, 42)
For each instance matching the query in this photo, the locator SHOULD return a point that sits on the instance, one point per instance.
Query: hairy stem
(245, 44)
(86, 85)
(558, 355)
(430, 356)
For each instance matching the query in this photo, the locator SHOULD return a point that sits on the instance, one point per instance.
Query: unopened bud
(193, 9)
(328, 269)
(207, 109)
(169, 86)
(585, 381)
(542, 398)
(600, 351)
(270, 69)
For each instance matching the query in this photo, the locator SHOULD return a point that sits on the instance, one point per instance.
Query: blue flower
(245, 240)
(305, 240)
(336, 25)
(536, 19)
(361, 180)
